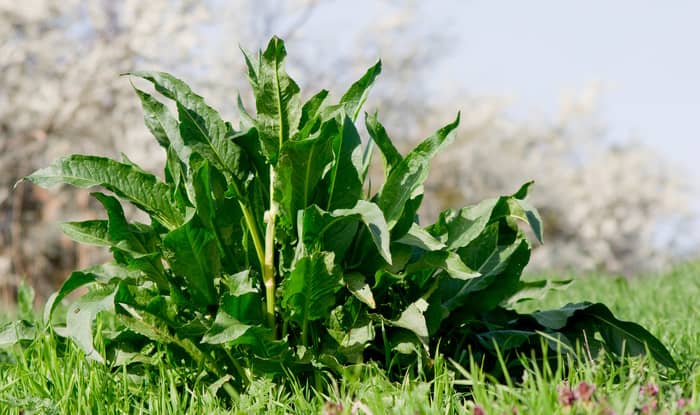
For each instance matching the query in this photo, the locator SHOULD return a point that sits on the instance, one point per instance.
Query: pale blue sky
(645, 53)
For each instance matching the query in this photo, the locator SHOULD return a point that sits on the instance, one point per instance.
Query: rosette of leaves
(267, 255)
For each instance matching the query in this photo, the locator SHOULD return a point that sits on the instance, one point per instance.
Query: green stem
(241, 372)
(254, 232)
(434, 286)
(269, 257)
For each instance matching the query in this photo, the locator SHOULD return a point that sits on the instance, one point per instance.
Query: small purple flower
(650, 389)
(584, 391)
(478, 410)
(566, 395)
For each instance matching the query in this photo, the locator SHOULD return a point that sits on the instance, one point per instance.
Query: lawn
(51, 376)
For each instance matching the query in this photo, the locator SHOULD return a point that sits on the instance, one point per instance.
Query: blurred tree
(61, 92)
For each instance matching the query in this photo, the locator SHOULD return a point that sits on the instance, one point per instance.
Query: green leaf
(355, 282)
(156, 329)
(201, 127)
(356, 96)
(103, 274)
(344, 180)
(240, 318)
(349, 325)
(459, 227)
(204, 195)
(75, 280)
(276, 100)
(164, 127)
(500, 275)
(619, 336)
(412, 319)
(420, 238)
(16, 331)
(191, 252)
(317, 224)
(390, 154)
(311, 110)
(445, 260)
(225, 329)
(299, 169)
(243, 300)
(536, 290)
(521, 193)
(410, 173)
(142, 189)
(524, 211)
(627, 336)
(81, 315)
(309, 290)
(133, 244)
(119, 232)
(91, 232)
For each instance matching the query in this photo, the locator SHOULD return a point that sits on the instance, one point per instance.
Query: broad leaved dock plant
(265, 255)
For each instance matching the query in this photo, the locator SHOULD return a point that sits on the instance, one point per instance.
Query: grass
(51, 376)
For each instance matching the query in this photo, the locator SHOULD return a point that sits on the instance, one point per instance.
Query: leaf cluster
(267, 254)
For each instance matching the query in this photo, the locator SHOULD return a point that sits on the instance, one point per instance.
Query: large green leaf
(500, 267)
(350, 326)
(420, 238)
(410, 173)
(240, 319)
(276, 100)
(619, 336)
(133, 244)
(209, 187)
(119, 231)
(91, 232)
(310, 113)
(164, 127)
(142, 189)
(192, 253)
(413, 319)
(356, 96)
(326, 227)
(343, 182)
(103, 273)
(448, 261)
(459, 227)
(226, 329)
(379, 136)
(309, 290)
(299, 169)
(81, 315)
(240, 316)
(201, 127)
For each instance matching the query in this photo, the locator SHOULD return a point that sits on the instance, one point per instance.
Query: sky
(645, 56)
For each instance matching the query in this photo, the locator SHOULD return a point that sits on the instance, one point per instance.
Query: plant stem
(304, 332)
(269, 261)
(254, 232)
